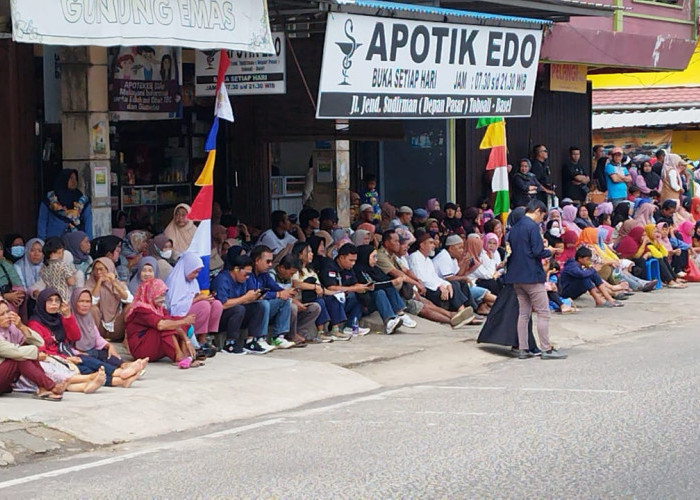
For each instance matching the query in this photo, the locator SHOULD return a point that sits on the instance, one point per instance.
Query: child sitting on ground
(55, 273)
(556, 303)
(579, 277)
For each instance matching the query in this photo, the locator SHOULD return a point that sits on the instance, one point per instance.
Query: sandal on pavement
(48, 396)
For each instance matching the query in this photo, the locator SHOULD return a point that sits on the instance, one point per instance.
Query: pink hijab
(645, 213)
(567, 217)
(685, 230)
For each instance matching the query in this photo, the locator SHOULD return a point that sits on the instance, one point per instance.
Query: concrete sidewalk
(234, 387)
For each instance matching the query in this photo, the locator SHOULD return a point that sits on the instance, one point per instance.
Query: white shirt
(445, 265)
(270, 240)
(424, 270)
(487, 268)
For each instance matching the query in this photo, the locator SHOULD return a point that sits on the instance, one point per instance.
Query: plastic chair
(653, 272)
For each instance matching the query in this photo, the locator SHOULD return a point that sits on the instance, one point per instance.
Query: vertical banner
(145, 83)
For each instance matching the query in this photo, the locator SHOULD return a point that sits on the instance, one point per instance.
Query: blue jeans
(278, 312)
(91, 365)
(342, 312)
(387, 301)
(324, 317)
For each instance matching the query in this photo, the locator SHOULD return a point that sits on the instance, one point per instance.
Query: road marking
(526, 389)
(594, 391)
(128, 456)
(190, 441)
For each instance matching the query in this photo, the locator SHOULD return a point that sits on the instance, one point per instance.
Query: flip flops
(48, 396)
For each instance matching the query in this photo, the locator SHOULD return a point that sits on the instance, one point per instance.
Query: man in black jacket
(540, 167)
(575, 177)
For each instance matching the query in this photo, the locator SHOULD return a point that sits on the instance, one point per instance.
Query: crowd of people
(68, 299)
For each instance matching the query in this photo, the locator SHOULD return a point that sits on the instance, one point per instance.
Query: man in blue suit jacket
(526, 274)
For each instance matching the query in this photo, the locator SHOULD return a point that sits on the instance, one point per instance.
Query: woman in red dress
(152, 333)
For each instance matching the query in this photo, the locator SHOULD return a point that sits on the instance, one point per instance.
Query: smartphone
(263, 291)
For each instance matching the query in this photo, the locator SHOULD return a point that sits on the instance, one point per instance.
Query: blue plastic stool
(653, 272)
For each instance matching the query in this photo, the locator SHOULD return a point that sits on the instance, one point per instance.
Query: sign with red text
(568, 78)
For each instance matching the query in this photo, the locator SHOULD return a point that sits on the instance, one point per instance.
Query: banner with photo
(145, 83)
(634, 141)
(377, 67)
(248, 73)
(196, 24)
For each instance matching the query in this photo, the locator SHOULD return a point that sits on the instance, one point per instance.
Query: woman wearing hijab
(568, 217)
(360, 237)
(653, 247)
(645, 214)
(53, 321)
(622, 269)
(111, 247)
(525, 184)
(570, 240)
(184, 297)
(488, 273)
(383, 296)
(695, 208)
(78, 245)
(146, 270)
(648, 180)
(152, 333)
(20, 357)
(161, 249)
(14, 247)
(672, 178)
(11, 288)
(473, 249)
(29, 265)
(180, 230)
(91, 343)
(582, 219)
(112, 296)
(65, 208)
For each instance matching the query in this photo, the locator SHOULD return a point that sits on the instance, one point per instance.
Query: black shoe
(208, 350)
(253, 347)
(230, 347)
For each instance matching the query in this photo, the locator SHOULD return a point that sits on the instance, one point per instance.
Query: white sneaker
(408, 321)
(282, 343)
(360, 331)
(265, 346)
(393, 324)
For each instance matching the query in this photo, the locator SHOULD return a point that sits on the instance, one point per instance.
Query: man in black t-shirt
(575, 177)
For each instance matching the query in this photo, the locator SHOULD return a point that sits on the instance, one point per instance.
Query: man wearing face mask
(440, 292)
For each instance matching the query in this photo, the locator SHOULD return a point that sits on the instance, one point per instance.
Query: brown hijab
(110, 301)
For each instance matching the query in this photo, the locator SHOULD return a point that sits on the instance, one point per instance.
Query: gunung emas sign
(197, 24)
(396, 68)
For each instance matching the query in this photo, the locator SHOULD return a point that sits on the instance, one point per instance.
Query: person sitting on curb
(439, 291)
(278, 308)
(338, 277)
(383, 296)
(304, 316)
(411, 288)
(579, 277)
(242, 307)
(152, 333)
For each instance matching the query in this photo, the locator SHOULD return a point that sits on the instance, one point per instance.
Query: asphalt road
(615, 421)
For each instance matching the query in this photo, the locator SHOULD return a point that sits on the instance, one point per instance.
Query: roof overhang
(553, 10)
(381, 8)
(683, 117)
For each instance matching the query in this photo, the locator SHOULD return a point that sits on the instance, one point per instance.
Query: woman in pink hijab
(567, 217)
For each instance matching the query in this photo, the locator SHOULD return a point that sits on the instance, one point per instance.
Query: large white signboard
(199, 24)
(248, 73)
(377, 67)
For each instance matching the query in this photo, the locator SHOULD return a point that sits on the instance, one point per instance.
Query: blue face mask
(17, 252)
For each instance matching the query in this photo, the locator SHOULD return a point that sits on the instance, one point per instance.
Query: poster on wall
(197, 24)
(248, 73)
(145, 83)
(634, 141)
(377, 67)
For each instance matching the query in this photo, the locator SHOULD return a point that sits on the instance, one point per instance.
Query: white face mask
(166, 254)
(555, 231)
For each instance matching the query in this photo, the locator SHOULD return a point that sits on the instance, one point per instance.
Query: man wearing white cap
(403, 218)
(365, 214)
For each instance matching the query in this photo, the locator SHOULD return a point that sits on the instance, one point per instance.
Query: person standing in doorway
(526, 274)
